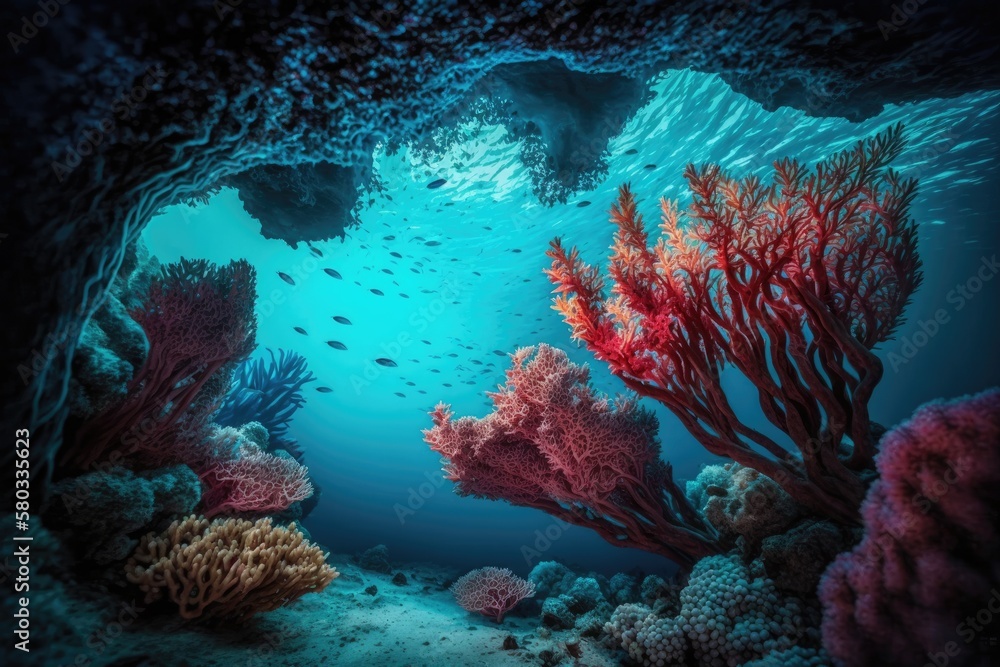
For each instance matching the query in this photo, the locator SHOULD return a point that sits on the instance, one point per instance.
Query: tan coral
(228, 568)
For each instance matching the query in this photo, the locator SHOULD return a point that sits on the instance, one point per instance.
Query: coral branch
(199, 320)
(792, 284)
(491, 591)
(554, 444)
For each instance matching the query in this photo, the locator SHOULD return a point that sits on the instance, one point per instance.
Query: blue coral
(268, 392)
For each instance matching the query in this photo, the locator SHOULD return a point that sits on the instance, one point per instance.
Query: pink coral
(554, 444)
(931, 551)
(791, 283)
(491, 591)
(199, 320)
(255, 483)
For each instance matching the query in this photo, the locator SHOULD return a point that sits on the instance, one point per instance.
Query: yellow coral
(228, 568)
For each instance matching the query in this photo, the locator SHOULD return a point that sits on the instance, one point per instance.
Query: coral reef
(227, 568)
(930, 556)
(491, 591)
(554, 444)
(268, 392)
(254, 482)
(112, 345)
(792, 284)
(100, 512)
(743, 505)
(316, 84)
(727, 617)
(199, 320)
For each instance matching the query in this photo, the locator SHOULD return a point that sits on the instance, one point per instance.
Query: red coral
(931, 552)
(255, 483)
(553, 444)
(199, 321)
(491, 591)
(792, 284)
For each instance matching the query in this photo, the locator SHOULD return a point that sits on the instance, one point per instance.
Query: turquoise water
(472, 254)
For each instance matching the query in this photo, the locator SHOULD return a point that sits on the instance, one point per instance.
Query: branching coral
(268, 392)
(554, 444)
(931, 552)
(792, 284)
(254, 482)
(228, 568)
(199, 320)
(491, 591)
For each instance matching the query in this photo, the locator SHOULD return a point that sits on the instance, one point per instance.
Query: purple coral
(931, 551)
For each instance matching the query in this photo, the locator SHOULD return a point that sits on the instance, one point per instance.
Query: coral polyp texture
(491, 591)
(792, 284)
(228, 568)
(199, 321)
(268, 391)
(255, 482)
(554, 444)
(930, 558)
(728, 617)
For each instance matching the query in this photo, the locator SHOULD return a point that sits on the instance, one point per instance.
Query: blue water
(363, 442)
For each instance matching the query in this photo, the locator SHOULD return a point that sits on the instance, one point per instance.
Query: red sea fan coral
(255, 483)
(792, 284)
(554, 444)
(930, 558)
(491, 591)
(199, 320)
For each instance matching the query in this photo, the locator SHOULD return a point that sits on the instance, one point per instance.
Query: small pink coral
(491, 591)
(256, 482)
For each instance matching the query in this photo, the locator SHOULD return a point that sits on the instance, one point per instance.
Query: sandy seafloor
(414, 625)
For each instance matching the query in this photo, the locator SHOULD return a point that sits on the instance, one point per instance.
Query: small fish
(389, 238)
(515, 250)
(434, 370)
(477, 273)
(445, 384)
(301, 330)
(377, 292)
(434, 185)
(412, 384)
(316, 251)
(432, 243)
(334, 274)
(452, 355)
(487, 228)
(421, 391)
(405, 296)
(324, 390)
(400, 394)
(631, 151)
(340, 319)
(287, 278)
(476, 362)
(650, 166)
(414, 270)
(583, 203)
(499, 353)
(388, 363)
(396, 254)
(425, 342)
(336, 344)
(387, 271)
